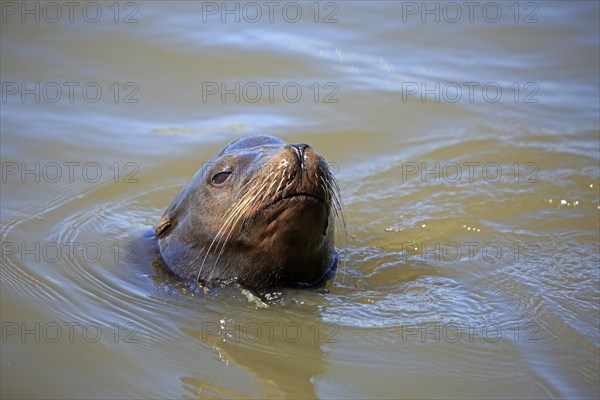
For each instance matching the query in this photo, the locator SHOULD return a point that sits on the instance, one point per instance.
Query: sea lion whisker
(280, 182)
(224, 227)
(236, 211)
(332, 187)
(249, 203)
(248, 196)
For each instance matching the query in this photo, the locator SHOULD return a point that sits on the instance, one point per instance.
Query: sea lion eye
(220, 178)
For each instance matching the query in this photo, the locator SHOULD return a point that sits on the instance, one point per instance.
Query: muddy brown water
(465, 140)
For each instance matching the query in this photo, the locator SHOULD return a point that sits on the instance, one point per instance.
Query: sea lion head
(258, 213)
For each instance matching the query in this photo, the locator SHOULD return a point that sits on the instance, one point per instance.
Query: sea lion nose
(300, 149)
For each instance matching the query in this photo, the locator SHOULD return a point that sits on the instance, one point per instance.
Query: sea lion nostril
(300, 149)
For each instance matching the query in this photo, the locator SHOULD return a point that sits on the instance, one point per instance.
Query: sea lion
(260, 213)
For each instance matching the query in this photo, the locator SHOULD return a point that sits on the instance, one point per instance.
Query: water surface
(467, 151)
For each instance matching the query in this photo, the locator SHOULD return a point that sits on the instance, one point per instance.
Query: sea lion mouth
(296, 210)
(299, 197)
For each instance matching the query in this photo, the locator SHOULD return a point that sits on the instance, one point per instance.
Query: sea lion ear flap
(163, 225)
